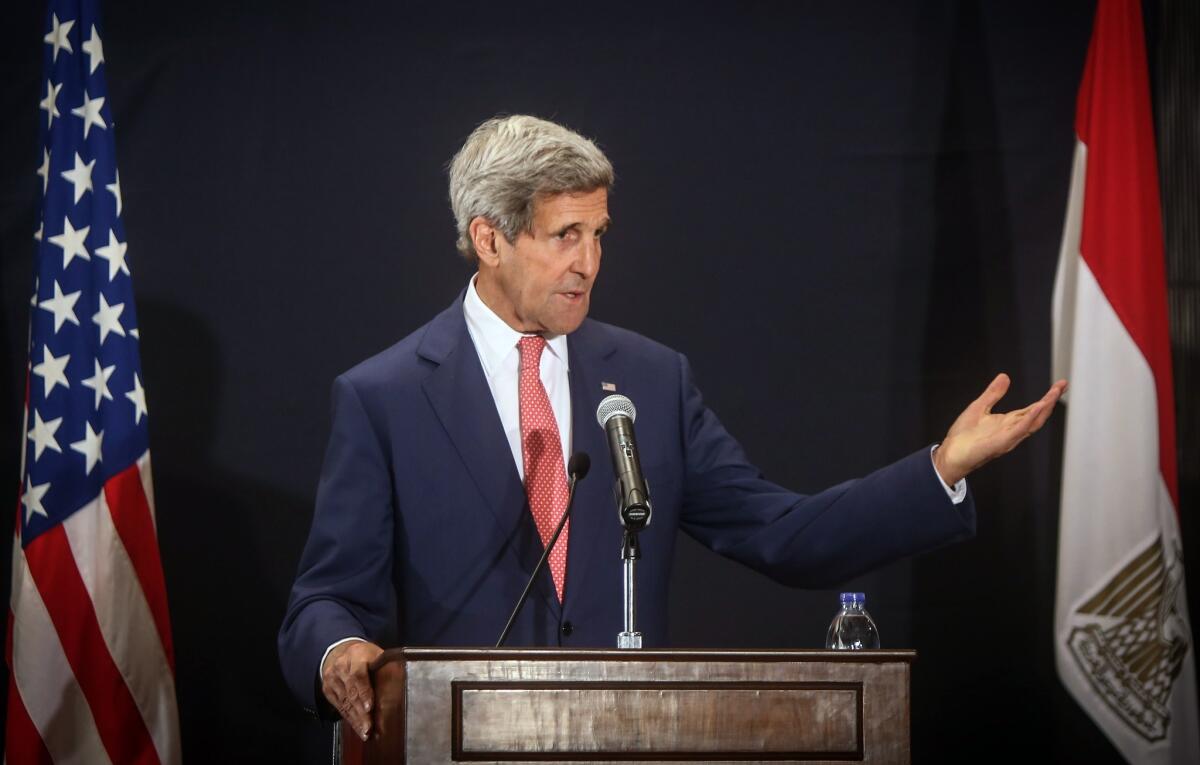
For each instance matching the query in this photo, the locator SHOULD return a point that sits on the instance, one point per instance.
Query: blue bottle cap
(854, 598)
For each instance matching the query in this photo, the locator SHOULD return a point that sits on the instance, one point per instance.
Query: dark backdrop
(846, 214)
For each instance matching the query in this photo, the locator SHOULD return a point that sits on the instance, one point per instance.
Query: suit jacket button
(567, 629)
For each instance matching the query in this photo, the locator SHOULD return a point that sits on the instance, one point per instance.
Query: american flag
(92, 676)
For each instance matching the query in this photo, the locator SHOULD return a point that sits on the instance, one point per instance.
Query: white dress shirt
(496, 344)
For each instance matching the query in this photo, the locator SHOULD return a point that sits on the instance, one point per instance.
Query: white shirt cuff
(333, 645)
(956, 494)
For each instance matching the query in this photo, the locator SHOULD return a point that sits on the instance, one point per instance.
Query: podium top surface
(905, 655)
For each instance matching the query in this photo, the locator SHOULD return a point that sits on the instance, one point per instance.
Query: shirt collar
(494, 339)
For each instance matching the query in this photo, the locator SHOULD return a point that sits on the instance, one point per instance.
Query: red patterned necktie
(541, 449)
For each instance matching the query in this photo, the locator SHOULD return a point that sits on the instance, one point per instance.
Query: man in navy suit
(445, 461)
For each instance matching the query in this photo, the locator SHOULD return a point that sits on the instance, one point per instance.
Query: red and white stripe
(1111, 340)
(89, 641)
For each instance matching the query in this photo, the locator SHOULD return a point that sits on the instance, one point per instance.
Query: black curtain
(847, 215)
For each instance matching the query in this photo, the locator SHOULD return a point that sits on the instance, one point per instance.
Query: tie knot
(531, 350)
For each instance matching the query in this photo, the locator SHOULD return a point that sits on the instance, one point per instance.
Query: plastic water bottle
(852, 628)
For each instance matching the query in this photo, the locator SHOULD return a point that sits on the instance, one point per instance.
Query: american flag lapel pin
(608, 387)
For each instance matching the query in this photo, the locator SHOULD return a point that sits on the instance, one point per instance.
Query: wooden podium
(437, 705)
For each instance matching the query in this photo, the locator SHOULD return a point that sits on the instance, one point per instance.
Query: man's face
(543, 281)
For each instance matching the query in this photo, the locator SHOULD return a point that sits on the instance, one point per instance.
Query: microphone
(577, 469)
(578, 466)
(616, 414)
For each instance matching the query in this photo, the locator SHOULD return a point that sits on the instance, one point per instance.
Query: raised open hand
(978, 436)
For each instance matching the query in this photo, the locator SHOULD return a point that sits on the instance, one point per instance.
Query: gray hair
(508, 163)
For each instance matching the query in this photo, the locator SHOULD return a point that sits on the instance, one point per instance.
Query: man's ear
(486, 239)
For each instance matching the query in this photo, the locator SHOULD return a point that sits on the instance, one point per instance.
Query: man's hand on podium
(978, 436)
(346, 683)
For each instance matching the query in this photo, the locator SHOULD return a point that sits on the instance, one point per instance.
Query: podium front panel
(583, 706)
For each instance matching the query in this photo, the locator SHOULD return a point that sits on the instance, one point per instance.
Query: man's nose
(587, 261)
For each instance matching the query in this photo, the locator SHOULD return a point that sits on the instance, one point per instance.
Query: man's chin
(567, 322)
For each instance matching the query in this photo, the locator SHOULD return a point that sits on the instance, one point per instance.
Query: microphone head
(614, 405)
(578, 465)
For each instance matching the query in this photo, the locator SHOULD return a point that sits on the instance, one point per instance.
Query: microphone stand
(575, 476)
(630, 552)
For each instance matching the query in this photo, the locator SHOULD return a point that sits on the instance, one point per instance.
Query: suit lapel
(459, 394)
(593, 514)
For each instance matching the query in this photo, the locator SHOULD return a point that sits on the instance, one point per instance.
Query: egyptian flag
(1122, 641)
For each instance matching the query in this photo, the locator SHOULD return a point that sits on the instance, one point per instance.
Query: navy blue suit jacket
(422, 534)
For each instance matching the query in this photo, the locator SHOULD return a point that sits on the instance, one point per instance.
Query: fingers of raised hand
(1047, 409)
(1022, 423)
(1040, 411)
(1055, 393)
(1032, 418)
(1047, 402)
(993, 393)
